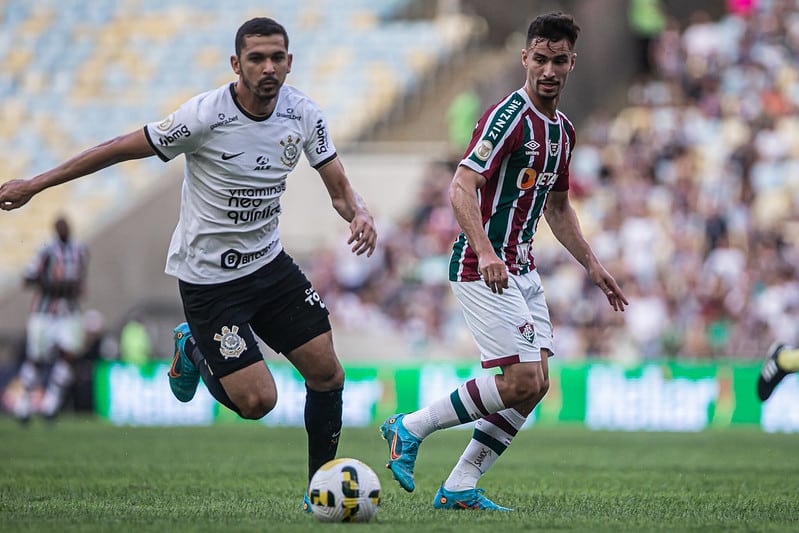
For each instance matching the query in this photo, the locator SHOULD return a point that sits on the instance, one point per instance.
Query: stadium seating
(74, 73)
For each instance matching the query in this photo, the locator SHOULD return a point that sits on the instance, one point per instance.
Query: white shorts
(47, 332)
(508, 328)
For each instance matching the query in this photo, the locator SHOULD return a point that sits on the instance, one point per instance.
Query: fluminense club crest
(231, 345)
(527, 332)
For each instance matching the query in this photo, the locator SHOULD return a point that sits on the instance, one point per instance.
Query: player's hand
(494, 272)
(363, 235)
(605, 281)
(14, 194)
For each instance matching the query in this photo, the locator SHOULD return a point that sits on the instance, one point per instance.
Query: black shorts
(277, 303)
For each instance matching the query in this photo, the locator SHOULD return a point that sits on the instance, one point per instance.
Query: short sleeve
(179, 133)
(497, 134)
(318, 146)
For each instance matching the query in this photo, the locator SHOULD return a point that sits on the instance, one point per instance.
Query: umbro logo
(226, 156)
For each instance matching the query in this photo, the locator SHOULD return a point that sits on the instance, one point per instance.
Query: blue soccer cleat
(306, 504)
(465, 499)
(183, 375)
(402, 450)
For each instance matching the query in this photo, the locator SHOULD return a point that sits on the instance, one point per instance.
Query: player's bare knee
(328, 378)
(255, 412)
(336, 379)
(522, 383)
(257, 406)
(531, 390)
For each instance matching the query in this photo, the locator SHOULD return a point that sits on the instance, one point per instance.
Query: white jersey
(235, 174)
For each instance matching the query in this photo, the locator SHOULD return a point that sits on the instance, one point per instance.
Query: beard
(265, 90)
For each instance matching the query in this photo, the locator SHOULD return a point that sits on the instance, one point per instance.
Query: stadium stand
(74, 73)
(690, 195)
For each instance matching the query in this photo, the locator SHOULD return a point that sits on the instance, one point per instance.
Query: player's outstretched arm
(565, 227)
(134, 145)
(351, 207)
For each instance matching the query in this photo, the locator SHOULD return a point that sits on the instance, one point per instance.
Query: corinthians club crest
(230, 344)
(291, 151)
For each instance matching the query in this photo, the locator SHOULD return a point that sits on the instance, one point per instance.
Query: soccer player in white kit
(515, 169)
(240, 142)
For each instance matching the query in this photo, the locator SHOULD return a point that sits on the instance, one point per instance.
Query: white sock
(492, 436)
(28, 376)
(472, 400)
(22, 407)
(60, 378)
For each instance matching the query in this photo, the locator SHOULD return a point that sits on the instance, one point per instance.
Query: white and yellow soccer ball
(344, 490)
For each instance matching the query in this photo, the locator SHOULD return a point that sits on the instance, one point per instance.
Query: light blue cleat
(402, 450)
(183, 375)
(465, 499)
(306, 504)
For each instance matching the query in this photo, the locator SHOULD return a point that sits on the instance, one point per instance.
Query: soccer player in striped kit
(515, 169)
(55, 326)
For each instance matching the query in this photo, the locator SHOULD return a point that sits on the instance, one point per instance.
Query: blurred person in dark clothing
(55, 334)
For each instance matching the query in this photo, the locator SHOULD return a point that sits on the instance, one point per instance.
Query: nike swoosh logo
(226, 156)
(173, 373)
(393, 452)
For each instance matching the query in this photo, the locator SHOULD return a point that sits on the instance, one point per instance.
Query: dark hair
(553, 27)
(259, 26)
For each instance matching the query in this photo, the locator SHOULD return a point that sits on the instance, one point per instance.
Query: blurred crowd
(689, 196)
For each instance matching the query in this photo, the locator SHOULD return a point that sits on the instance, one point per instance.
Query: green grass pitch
(85, 475)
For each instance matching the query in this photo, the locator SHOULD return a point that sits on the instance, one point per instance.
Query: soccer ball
(344, 490)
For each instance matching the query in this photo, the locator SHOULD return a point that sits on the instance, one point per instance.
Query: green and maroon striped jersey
(523, 154)
(59, 273)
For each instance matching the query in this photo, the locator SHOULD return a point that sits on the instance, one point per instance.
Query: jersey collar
(246, 113)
